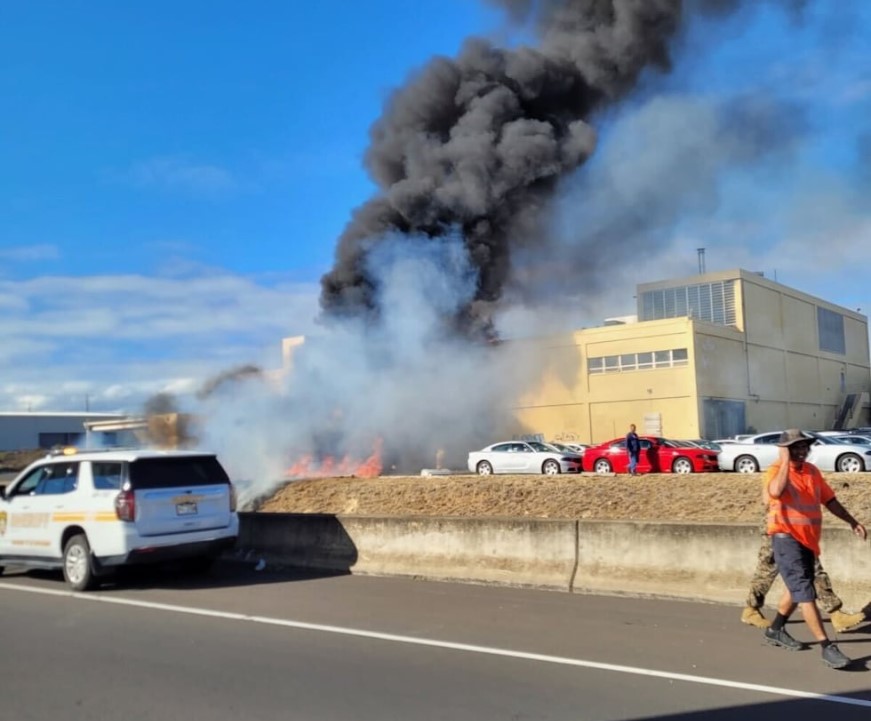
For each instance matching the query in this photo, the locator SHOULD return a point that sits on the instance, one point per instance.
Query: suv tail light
(232, 498)
(125, 505)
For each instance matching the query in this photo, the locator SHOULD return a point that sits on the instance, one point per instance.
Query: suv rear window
(174, 472)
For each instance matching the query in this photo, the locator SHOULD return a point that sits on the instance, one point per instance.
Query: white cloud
(119, 339)
(181, 175)
(29, 253)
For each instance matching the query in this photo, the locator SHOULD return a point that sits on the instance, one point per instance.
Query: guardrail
(710, 562)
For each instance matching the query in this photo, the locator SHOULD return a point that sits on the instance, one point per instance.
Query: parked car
(523, 457)
(760, 451)
(569, 447)
(91, 512)
(658, 455)
(706, 444)
(850, 438)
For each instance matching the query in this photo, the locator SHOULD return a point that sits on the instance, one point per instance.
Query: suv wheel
(77, 564)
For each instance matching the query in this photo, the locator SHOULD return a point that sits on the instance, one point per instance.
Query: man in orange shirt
(796, 492)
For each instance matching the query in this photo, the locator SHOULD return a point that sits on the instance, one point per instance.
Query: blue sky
(175, 175)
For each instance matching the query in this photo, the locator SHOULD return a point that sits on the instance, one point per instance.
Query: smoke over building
(474, 146)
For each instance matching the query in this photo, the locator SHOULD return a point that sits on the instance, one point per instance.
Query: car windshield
(543, 447)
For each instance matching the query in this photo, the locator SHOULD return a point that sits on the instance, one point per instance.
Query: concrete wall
(712, 562)
(787, 368)
(518, 552)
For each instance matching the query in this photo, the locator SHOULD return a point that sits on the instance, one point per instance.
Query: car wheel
(77, 564)
(484, 468)
(682, 465)
(850, 463)
(602, 466)
(746, 464)
(550, 468)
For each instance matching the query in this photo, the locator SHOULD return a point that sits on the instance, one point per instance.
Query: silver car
(523, 457)
(760, 451)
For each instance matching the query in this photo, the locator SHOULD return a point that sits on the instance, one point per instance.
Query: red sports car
(658, 455)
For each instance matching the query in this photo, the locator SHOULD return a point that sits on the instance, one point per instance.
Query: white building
(27, 431)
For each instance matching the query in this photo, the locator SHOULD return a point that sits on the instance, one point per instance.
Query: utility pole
(701, 252)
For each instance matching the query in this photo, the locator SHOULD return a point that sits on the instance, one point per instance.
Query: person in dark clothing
(633, 447)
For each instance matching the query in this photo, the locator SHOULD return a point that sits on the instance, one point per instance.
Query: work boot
(782, 639)
(753, 617)
(842, 621)
(833, 658)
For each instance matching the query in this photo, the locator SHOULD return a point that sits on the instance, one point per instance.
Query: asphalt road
(248, 645)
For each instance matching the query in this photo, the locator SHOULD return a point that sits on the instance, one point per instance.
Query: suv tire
(78, 572)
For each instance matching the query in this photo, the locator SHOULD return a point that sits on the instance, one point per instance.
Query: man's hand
(783, 454)
(860, 531)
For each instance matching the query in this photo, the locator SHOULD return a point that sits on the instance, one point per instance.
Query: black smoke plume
(474, 146)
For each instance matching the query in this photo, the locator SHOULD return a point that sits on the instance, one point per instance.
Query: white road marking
(489, 650)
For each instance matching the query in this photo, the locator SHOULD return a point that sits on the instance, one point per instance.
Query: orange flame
(306, 467)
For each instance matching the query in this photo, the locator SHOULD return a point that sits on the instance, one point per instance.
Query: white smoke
(407, 381)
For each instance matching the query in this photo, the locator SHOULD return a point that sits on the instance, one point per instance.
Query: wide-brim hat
(793, 436)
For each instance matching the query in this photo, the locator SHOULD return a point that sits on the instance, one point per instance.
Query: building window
(831, 330)
(711, 302)
(628, 362)
(638, 361)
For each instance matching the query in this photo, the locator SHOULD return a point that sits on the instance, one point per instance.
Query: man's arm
(781, 477)
(839, 511)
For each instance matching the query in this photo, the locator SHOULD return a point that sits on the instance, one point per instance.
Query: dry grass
(712, 497)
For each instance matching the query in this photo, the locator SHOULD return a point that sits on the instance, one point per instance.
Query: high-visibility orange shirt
(798, 511)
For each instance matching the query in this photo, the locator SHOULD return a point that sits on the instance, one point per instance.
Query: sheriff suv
(90, 512)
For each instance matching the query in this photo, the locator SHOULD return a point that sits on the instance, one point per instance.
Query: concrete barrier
(710, 562)
(518, 552)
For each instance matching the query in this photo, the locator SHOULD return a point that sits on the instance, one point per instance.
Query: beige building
(707, 357)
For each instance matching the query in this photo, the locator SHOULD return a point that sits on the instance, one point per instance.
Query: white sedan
(760, 451)
(523, 457)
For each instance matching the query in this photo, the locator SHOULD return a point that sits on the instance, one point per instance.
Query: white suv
(89, 512)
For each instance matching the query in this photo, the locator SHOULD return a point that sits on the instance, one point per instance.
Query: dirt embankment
(708, 498)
